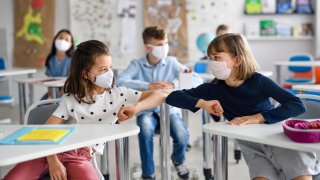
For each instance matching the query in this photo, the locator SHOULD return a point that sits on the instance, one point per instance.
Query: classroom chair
(200, 67)
(4, 99)
(39, 113)
(312, 103)
(301, 74)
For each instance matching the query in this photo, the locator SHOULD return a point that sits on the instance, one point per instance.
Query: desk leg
(122, 157)
(184, 113)
(207, 149)
(278, 72)
(31, 91)
(221, 157)
(164, 142)
(105, 162)
(54, 92)
(22, 101)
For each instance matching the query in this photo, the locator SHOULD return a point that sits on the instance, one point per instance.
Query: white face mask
(160, 51)
(104, 80)
(219, 69)
(62, 45)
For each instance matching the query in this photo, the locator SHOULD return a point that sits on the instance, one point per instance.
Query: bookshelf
(278, 38)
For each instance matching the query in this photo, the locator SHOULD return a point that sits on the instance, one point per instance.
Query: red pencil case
(304, 131)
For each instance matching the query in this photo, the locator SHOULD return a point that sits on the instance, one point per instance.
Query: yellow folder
(44, 135)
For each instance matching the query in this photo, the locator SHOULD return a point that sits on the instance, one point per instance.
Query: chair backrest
(2, 64)
(301, 57)
(39, 112)
(200, 67)
(312, 103)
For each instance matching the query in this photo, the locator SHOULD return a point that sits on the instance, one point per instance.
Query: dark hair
(84, 57)
(54, 49)
(153, 32)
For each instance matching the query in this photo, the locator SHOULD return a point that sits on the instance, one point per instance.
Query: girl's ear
(239, 60)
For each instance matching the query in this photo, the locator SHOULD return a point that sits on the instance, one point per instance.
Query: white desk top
(84, 135)
(307, 87)
(16, 71)
(48, 81)
(261, 133)
(297, 63)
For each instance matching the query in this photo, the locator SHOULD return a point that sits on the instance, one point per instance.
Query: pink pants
(77, 162)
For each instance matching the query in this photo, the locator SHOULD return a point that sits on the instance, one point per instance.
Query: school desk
(52, 83)
(269, 134)
(279, 64)
(84, 135)
(16, 72)
(302, 88)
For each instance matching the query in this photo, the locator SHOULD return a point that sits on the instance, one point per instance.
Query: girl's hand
(254, 119)
(212, 106)
(127, 112)
(56, 168)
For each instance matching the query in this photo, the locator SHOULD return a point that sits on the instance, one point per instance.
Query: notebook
(40, 135)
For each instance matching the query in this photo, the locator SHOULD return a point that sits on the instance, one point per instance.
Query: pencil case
(304, 131)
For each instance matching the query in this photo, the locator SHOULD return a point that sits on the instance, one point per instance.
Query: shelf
(275, 38)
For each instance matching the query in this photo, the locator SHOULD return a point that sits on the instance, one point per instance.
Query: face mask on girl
(104, 80)
(62, 45)
(219, 69)
(160, 51)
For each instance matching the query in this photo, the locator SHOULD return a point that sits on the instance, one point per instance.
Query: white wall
(203, 16)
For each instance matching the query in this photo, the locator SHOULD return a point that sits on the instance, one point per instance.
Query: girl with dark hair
(58, 60)
(90, 98)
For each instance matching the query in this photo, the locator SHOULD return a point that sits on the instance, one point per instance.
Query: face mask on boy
(160, 51)
(104, 80)
(219, 69)
(62, 45)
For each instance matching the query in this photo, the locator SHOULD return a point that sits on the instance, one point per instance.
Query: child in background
(90, 97)
(245, 96)
(58, 60)
(222, 29)
(156, 70)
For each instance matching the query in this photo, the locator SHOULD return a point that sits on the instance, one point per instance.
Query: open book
(38, 135)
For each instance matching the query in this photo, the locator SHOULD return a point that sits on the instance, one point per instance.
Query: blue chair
(200, 67)
(296, 69)
(4, 99)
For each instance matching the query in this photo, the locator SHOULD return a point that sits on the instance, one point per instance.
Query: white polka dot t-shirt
(104, 110)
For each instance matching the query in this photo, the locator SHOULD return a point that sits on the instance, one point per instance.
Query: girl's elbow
(303, 108)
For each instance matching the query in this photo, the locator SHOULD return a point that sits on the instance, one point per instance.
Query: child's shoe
(182, 171)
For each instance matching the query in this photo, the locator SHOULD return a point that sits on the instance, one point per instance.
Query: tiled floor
(194, 160)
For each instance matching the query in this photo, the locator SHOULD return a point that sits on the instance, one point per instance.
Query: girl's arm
(148, 99)
(290, 105)
(56, 168)
(188, 99)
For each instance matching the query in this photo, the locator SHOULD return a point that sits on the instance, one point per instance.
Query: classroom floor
(194, 160)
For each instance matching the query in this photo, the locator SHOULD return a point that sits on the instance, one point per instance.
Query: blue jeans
(148, 123)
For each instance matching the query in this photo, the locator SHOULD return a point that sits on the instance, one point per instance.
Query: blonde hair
(237, 46)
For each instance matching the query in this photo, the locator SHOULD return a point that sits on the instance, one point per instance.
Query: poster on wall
(171, 15)
(33, 32)
(92, 20)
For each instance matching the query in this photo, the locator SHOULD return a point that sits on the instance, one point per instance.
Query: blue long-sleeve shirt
(140, 73)
(250, 98)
